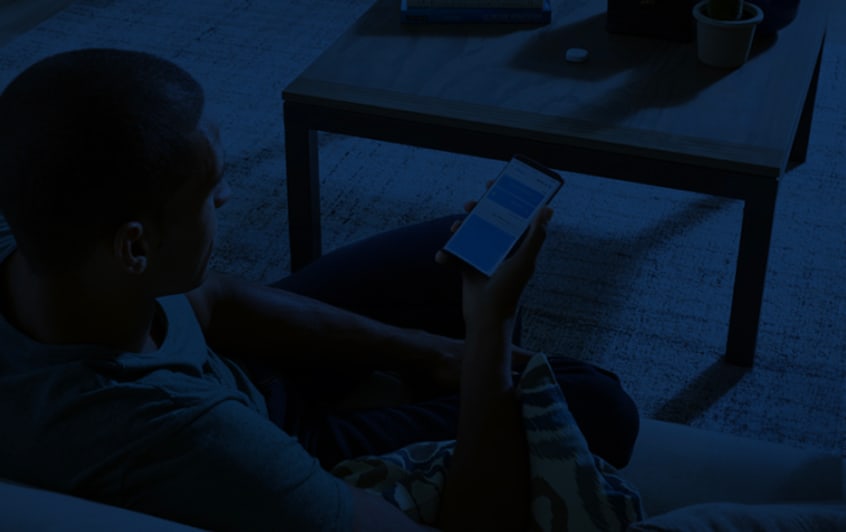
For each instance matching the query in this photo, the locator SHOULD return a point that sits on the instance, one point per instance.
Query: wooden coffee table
(641, 110)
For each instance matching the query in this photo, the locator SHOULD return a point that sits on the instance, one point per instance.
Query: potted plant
(724, 31)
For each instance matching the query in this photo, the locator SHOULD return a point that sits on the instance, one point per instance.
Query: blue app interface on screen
(499, 219)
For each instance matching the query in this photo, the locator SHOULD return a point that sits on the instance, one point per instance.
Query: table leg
(799, 150)
(303, 180)
(749, 281)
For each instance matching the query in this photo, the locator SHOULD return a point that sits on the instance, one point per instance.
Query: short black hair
(90, 139)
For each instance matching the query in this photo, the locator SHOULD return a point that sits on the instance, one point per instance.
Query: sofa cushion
(675, 466)
(23, 508)
(729, 517)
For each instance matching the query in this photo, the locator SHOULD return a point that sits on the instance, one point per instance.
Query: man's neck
(74, 309)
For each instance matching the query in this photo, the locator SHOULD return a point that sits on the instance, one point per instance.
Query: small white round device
(577, 55)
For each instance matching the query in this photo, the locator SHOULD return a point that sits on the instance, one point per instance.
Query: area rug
(634, 278)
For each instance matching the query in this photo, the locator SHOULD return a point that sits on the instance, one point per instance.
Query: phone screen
(500, 218)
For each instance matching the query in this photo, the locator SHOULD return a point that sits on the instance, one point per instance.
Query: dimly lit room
(443, 255)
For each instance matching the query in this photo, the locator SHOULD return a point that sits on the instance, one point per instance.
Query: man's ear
(131, 247)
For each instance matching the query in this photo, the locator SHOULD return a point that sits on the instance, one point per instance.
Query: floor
(18, 16)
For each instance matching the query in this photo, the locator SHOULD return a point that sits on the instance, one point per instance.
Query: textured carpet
(635, 278)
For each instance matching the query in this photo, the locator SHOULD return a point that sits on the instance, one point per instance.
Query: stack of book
(476, 11)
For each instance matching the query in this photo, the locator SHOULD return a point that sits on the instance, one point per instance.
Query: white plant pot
(725, 43)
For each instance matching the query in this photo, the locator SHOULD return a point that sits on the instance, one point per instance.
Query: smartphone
(503, 215)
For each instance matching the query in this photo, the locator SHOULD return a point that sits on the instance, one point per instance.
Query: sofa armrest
(25, 509)
(675, 465)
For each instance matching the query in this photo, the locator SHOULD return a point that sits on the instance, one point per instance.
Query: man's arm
(477, 495)
(290, 330)
(233, 469)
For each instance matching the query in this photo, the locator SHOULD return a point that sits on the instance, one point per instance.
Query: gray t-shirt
(180, 433)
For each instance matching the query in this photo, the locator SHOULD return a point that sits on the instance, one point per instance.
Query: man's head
(106, 150)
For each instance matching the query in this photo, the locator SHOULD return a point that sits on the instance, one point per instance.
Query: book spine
(476, 15)
(486, 4)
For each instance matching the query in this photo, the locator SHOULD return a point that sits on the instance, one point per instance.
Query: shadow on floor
(701, 393)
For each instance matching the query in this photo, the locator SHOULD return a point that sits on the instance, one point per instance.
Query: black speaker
(663, 19)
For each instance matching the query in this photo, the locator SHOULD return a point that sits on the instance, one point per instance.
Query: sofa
(689, 479)
(692, 479)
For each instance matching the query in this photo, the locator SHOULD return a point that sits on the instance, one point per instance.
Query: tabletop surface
(634, 95)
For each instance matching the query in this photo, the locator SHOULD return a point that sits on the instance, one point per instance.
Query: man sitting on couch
(132, 375)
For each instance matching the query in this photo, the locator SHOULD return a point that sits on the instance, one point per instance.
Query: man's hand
(441, 371)
(496, 298)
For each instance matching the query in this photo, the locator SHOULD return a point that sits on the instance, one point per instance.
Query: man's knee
(607, 415)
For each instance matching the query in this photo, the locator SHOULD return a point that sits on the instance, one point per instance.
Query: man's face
(189, 225)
